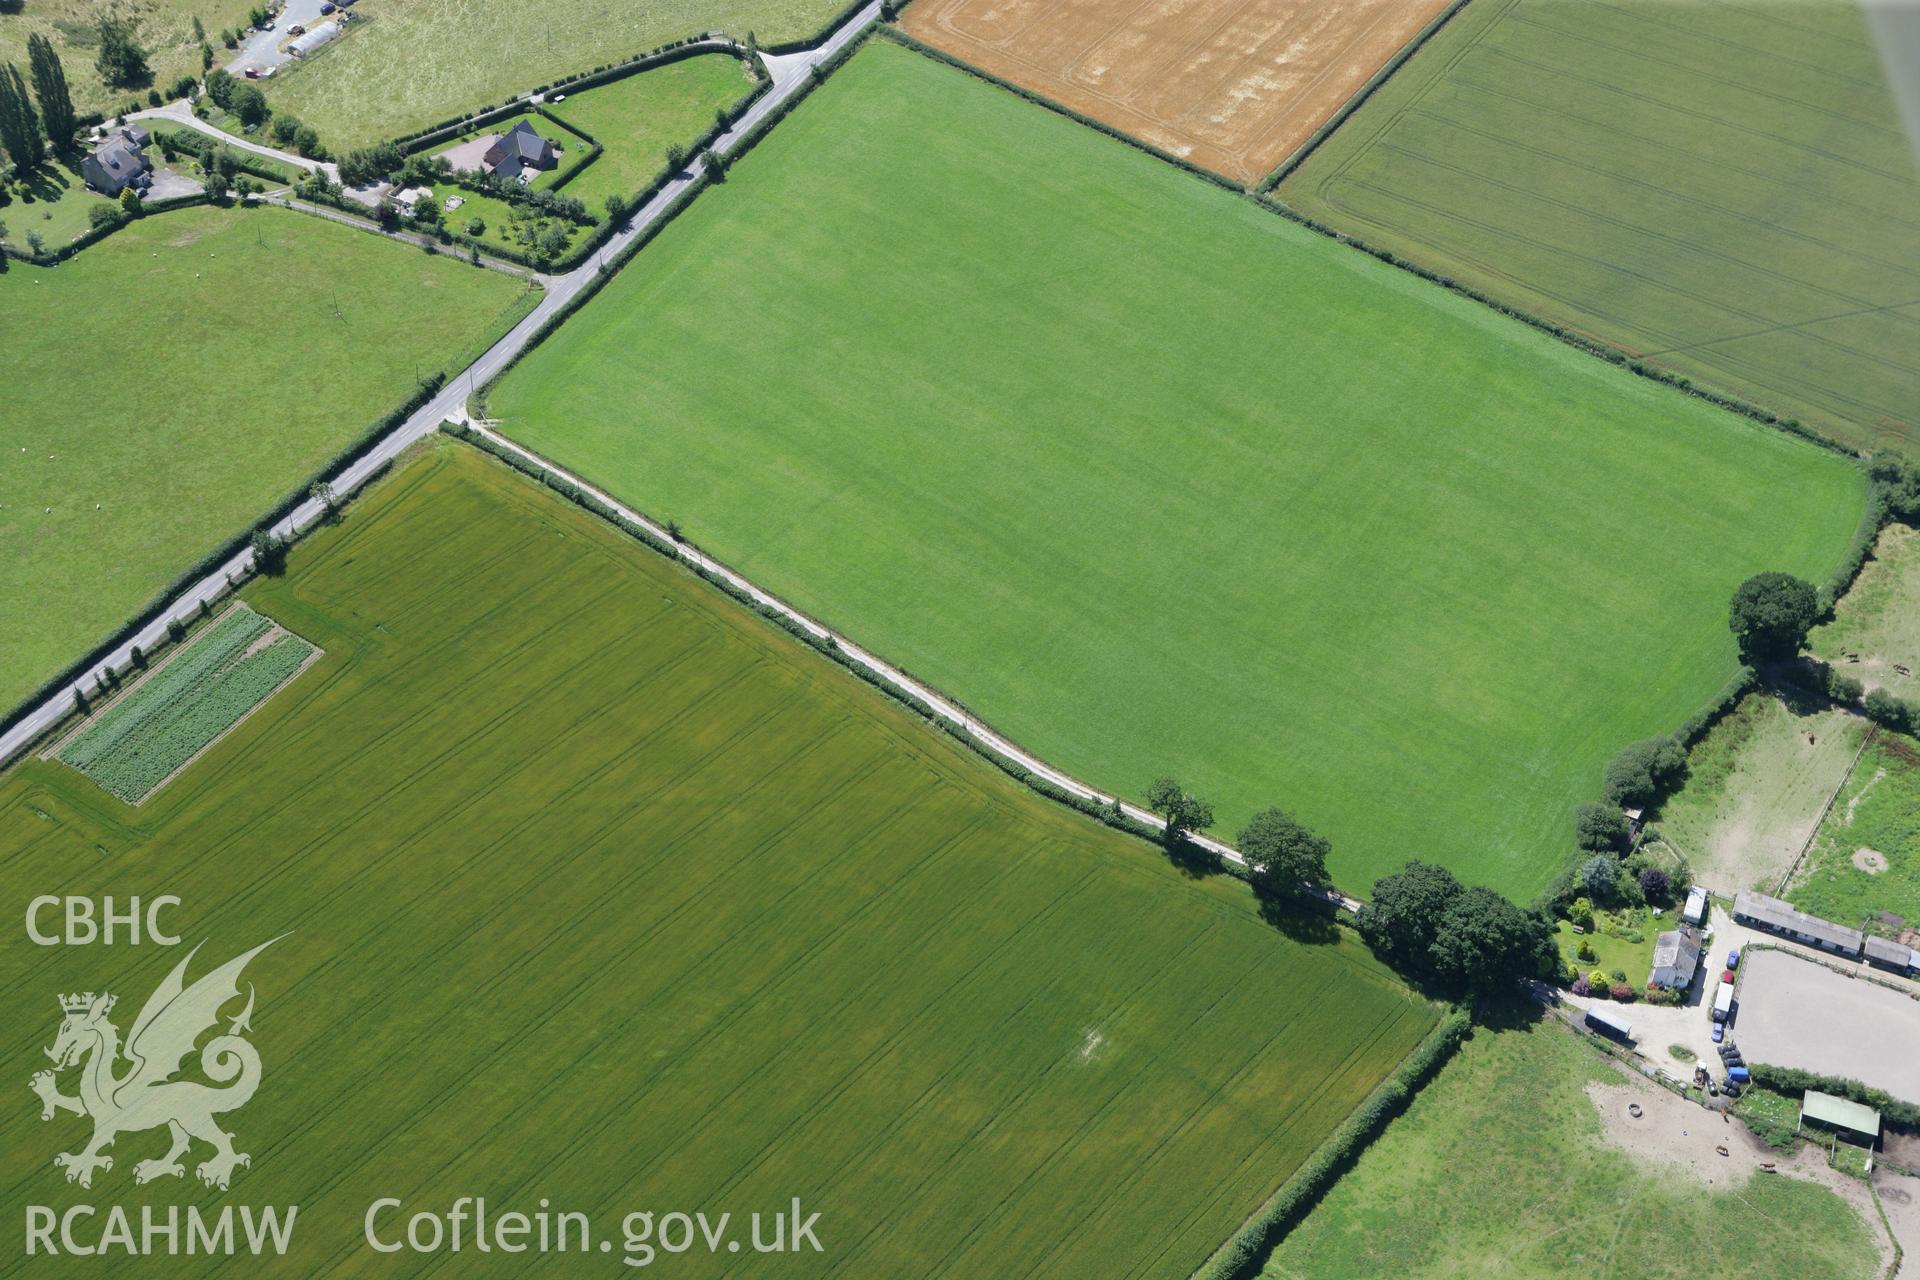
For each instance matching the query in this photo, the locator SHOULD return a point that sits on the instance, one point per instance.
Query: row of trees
(26, 130)
(1422, 921)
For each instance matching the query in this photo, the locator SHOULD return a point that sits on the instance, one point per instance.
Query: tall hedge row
(1242, 1256)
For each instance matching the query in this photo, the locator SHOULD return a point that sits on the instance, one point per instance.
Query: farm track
(854, 960)
(791, 73)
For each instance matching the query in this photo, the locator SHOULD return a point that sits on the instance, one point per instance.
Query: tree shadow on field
(1508, 1010)
(1299, 919)
(1190, 859)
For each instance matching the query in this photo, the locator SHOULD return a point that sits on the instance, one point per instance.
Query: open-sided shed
(1850, 1119)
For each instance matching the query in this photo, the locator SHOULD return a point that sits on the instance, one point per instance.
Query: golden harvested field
(1232, 87)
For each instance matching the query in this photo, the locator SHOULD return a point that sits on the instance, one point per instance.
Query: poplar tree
(50, 87)
(19, 126)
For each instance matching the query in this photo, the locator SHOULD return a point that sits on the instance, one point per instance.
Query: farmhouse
(1894, 956)
(118, 163)
(1840, 1115)
(1676, 956)
(520, 152)
(1775, 916)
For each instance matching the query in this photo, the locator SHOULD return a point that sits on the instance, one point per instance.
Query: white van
(1723, 1002)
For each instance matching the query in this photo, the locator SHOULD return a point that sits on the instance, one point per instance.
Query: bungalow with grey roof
(520, 152)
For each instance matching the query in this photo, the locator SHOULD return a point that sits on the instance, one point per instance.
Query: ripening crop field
(1156, 481)
(604, 891)
(1725, 190)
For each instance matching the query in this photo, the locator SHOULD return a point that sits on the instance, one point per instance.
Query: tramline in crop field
(603, 891)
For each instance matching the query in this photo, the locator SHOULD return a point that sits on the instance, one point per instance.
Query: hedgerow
(1243, 1255)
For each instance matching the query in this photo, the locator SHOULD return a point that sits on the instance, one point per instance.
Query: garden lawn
(55, 202)
(638, 117)
(1724, 190)
(418, 62)
(1158, 482)
(1500, 1168)
(1877, 812)
(592, 886)
(1612, 943)
(247, 347)
(496, 215)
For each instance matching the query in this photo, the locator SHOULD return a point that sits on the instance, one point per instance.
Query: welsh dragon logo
(146, 1096)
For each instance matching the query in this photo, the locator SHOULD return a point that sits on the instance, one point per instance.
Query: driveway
(169, 183)
(262, 48)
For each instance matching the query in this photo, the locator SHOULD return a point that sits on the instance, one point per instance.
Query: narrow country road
(789, 74)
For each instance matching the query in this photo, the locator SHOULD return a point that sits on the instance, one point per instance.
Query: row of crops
(158, 726)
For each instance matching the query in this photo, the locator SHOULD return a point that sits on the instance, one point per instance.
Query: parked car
(1719, 1032)
(1727, 977)
(1733, 959)
(296, 30)
(328, 7)
(252, 73)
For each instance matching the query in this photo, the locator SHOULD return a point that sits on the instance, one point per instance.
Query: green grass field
(638, 117)
(1500, 1168)
(1725, 190)
(243, 349)
(1878, 811)
(603, 890)
(163, 27)
(420, 61)
(1157, 481)
(1875, 629)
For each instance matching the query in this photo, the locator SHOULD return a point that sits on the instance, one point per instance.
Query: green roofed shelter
(1840, 1113)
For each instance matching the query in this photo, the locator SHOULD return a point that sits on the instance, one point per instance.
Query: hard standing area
(602, 890)
(1157, 481)
(1797, 1013)
(1235, 88)
(1725, 190)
